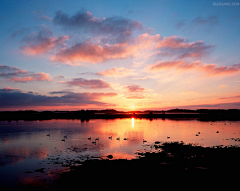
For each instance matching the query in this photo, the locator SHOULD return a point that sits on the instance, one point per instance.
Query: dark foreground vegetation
(201, 114)
(173, 166)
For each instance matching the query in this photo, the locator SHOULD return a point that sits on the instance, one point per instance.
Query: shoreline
(87, 115)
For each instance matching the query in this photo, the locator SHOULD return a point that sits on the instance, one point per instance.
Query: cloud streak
(134, 88)
(209, 69)
(12, 98)
(16, 75)
(117, 72)
(84, 83)
(210, 20)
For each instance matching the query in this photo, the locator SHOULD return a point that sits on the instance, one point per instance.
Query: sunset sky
(119, 54)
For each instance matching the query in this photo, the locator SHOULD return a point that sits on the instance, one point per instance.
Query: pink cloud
(180, 46)
(209, 69)
(94, 53)
(34, 77)
(97, 53)
(134, 88)
(59, 77)
(144, 44)
(231, 97)
(16, 75)
(117, 72)
(9, 89)
(43, 46)
(42, 41)
(84, 83)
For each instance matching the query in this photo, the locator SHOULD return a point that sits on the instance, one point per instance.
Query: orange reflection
(20, 154)
(132, 122)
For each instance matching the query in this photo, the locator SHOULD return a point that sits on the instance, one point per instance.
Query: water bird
(168, 137)
(94, 142)
(125, 138)
(65, 136)
(144, 141)
(89, 138)
(110, 137)
(217, 132)
(118, 138)
(48, 134)
(157, 142)
(197, 135)
(110, 156)
(198, 132)
(63, 140)
(97, 139)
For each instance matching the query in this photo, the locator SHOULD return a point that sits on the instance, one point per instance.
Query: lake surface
(32, 152)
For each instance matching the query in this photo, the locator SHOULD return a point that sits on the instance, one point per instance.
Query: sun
(132, 107)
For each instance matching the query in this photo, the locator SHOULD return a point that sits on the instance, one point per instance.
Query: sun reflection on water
(132, 122)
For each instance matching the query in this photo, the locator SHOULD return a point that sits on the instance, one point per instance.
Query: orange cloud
(135, 97)
(222, 86)
(117, 72)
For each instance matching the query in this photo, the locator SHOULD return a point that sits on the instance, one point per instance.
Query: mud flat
(173, 166)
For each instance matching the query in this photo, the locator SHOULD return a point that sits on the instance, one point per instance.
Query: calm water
(32, 152)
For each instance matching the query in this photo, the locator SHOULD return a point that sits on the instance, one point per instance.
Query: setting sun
(132, 107)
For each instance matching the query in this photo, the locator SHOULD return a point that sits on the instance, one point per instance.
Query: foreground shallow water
(37, 151)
